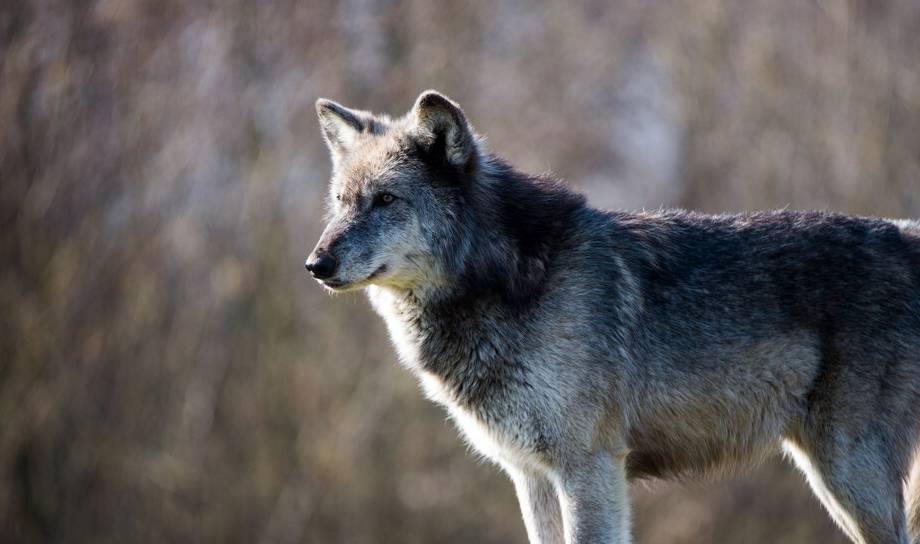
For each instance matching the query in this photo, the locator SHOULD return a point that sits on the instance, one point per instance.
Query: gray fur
(579, 348)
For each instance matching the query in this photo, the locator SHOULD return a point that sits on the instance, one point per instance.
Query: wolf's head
(395, 193)
(417, 204)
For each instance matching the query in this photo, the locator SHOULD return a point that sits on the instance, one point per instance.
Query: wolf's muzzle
(322, 265)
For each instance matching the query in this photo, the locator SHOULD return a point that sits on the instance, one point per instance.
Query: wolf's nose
(322, 265)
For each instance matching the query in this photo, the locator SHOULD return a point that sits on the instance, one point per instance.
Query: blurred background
(169, 373)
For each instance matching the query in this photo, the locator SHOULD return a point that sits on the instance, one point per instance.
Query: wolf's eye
(383, 199)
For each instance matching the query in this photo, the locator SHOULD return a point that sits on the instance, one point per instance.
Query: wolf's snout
(322, 265)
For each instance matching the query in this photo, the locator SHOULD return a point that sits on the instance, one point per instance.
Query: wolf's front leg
(539, 506)
(594, 501)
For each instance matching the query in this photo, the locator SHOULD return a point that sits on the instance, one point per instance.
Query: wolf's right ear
(439, 120)
(341, 126)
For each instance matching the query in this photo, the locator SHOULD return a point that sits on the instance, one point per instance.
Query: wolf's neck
(463, 330)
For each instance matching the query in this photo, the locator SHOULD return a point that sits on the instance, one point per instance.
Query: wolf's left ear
(341, 126)
(439, 120)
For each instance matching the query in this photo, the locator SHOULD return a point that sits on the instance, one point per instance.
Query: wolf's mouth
(340, 285)
(334, 284)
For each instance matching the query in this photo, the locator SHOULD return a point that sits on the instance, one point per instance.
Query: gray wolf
(579, 348)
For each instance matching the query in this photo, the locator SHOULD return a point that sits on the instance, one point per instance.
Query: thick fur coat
(580, 348)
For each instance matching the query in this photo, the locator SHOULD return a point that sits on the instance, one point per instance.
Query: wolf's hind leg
(913, 501)
(858, 490)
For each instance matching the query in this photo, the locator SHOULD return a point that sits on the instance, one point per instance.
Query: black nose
(322, 265)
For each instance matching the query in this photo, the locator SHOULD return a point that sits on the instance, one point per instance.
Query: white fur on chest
(406, 342)
(499, 441)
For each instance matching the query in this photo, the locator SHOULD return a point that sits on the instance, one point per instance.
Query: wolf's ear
(341, 126)
(440, 122)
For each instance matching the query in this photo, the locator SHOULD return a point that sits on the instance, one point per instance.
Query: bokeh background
(169, 373)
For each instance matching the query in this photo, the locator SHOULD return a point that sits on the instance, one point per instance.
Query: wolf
(580, 349)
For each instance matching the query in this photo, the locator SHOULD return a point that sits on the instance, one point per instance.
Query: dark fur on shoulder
(531, 216)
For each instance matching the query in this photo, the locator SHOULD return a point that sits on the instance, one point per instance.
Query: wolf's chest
(478, 402)
(493, 432)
